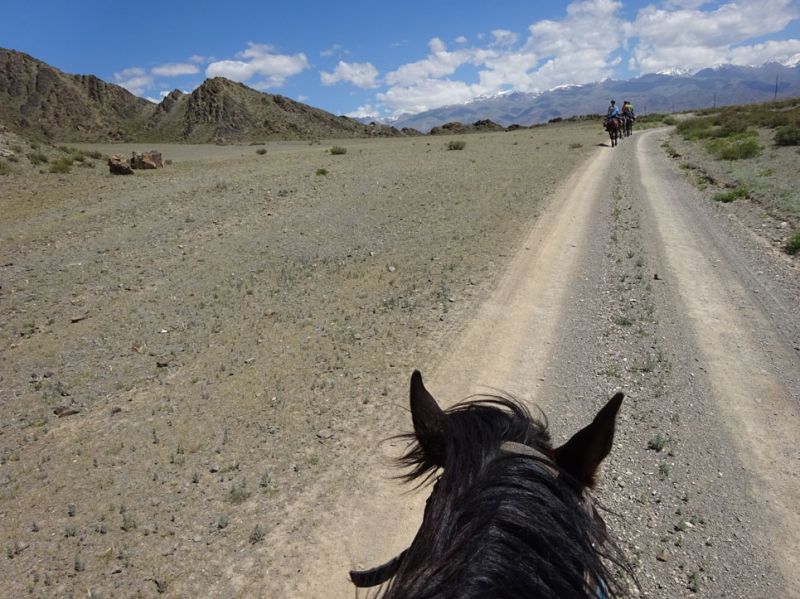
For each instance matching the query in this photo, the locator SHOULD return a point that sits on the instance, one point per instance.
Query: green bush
(95, 154)
(669, 120)
(734, 147)
(792, 246)
(456, 145)
(338, 150)
(37, 158)
(62, 165)
(261, 151)
(696, 128)
(788, 135)
(4, 169)
(321, 172)
(729, 196)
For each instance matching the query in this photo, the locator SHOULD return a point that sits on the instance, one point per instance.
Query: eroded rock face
(117, 165)
(146, 160)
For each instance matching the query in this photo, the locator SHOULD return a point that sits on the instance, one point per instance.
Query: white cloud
(504, 37)
(134, 79)
(173, 69)
(427, 94)
(439, 63)
(335, 50)
(691, 38)
(368, 111)
(260, 60)
(360, 74)
(197, 59)
(461, 39)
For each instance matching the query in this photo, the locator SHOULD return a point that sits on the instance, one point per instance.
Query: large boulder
(146, 160)
(117, 165)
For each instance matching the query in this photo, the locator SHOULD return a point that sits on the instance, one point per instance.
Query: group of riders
(620, 120)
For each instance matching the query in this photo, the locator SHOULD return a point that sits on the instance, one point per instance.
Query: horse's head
(466, 436)
(491, 455)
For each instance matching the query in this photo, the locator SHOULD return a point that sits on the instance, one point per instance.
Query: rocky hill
(41, 102)
(44, 103)
(222, 110)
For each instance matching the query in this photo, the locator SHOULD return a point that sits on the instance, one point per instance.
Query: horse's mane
(501, 524)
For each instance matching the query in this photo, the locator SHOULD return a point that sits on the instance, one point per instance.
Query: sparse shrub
(788, 135)
(735, 147)
(657, 443)
(61, 165)
(261, 151)
(4, 169)
(663, 470)
(729, 196)
(338, 150)
(239, 493)
(456, 145)
(257, 535)
(669, 120)
(17, 149)
(37, 158)
(575, 146)
(321, 172)
(168, 162)
(94, 154)
(792, 246)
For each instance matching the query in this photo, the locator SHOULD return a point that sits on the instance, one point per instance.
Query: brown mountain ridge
(41, 102)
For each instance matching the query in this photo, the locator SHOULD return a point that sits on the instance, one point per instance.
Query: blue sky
(380, 59)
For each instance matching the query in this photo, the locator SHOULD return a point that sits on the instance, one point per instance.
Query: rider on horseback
(613, 111)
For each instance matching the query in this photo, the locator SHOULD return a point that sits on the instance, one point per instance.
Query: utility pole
(673, 108)
(715, 100)
(776, 88)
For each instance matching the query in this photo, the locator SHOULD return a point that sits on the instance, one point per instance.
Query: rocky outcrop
(117, 165)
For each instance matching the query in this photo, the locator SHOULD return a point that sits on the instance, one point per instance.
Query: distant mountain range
(41, 102)
(663, 92)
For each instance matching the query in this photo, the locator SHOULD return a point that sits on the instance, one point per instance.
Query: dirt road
(630, 281)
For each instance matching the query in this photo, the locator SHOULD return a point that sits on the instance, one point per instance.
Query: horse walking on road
(614, 128)
(509, 516)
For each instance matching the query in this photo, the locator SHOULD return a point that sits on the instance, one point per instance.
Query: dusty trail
(578, 314)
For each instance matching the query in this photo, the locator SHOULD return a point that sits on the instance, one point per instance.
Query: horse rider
(627, 110)
(613, 112)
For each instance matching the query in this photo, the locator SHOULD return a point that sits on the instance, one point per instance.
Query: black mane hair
(498, 524)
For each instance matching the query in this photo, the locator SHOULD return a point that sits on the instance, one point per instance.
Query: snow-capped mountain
(673, 89)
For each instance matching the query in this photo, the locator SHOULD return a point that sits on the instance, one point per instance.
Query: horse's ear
(582, 454)
(429, 420)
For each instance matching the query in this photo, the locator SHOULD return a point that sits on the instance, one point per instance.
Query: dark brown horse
(508, 515)
(614, 128)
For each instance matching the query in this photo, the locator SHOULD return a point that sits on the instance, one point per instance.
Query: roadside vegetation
(747, 152)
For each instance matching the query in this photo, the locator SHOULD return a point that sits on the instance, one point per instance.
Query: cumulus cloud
(427, 94)
(134, 79)
(174, 69)
(692, 38)
(504, 37)
(360, 74)
(368, 111)
(461, 39)
(260, 60)
(335, 50)
(439, 63)
(197, 59)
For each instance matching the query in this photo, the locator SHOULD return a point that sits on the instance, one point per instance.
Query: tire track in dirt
(752, 372)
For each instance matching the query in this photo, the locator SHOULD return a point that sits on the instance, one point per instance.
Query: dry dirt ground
(228, 340)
